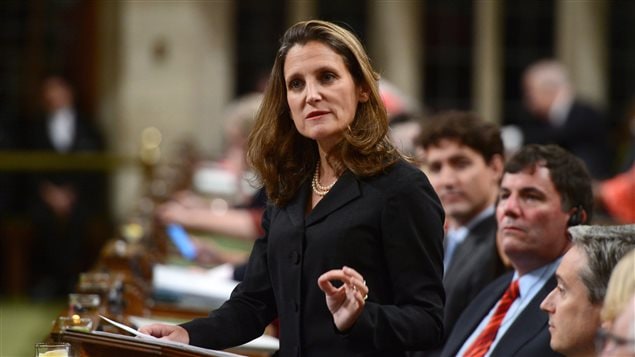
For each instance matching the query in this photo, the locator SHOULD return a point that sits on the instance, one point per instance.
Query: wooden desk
(97, 345)
(131, 269)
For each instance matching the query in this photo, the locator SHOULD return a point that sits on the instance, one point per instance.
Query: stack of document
(194, 287)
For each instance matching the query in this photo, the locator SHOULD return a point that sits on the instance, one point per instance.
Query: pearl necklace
(315, 183)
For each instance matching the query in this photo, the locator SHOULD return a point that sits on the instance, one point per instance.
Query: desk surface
(130, 270)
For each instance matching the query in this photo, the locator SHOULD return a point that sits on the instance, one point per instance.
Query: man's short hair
(567, 172)
(604, 246)
(467, 129)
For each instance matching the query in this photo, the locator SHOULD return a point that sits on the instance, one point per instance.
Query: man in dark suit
(544, 190)
(562, 119)
(62, 201)
(464, 162)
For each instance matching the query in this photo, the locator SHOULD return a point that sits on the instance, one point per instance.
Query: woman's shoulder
(399, 174)
(402, 168)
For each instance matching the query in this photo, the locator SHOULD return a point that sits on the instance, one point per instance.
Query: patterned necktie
(481, 345)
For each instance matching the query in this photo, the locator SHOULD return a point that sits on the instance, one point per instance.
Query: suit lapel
(530, 322)
(297, 207)
(345, 190)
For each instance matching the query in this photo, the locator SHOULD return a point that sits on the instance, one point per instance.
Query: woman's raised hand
(347, 301)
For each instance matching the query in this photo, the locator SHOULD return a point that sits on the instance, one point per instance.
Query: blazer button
(295, 257)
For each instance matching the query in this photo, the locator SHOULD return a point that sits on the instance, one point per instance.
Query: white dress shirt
(529, 285)
(61, 129)
(560, 109)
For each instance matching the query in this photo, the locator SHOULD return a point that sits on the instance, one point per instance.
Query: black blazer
(85, 139)
(584, 133)
(387, 227)
(528, 336)
(475, 264)
(89, 185)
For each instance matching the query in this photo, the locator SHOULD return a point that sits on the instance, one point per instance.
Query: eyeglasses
(603, 338)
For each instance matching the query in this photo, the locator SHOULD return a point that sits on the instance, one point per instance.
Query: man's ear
(578, 216)
(496, 163)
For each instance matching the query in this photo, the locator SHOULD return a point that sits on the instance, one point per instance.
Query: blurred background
(153, 80)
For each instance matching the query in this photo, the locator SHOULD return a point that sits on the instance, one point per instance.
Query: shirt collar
(458, 234)
(480, 217)
(534, 277)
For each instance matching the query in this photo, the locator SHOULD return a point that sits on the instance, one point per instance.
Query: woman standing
(351, 258)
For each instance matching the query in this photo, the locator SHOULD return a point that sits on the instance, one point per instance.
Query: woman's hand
(167, 332)
(346, 302)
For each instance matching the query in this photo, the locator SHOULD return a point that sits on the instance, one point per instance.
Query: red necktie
(481, 345)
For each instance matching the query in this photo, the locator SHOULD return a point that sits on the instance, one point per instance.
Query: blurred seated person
(62, 202)
(239, 222)
(560, 118)
(223, 202)
(404, 130)
(574, 305)
(404, 117)
(619, 340)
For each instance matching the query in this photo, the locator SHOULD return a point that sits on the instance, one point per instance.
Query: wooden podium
(104, 344)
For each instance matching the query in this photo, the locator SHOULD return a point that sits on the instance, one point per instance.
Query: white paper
(214, 286)
(162, 342)
(263, 343)
(127, 328)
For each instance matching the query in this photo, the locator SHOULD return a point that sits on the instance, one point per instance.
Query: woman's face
(321, 92)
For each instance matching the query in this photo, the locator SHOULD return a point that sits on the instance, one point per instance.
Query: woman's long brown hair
(281, 157)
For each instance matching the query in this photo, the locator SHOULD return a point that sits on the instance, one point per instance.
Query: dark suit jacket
(528, 336)
(70, 235)
(86, 139)
(475, 264)
(387, 227)
(584, 133)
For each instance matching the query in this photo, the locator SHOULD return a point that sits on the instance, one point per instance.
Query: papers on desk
(151, 339)
(127, 328)
(264, 343)
(155, 341)
(211, 288)
(193, 285)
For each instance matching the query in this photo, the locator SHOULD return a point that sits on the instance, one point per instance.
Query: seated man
(574, 305)
(544, 190)
(562, 118)
(464, 162)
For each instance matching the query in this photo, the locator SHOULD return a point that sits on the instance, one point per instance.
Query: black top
(388, 227)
